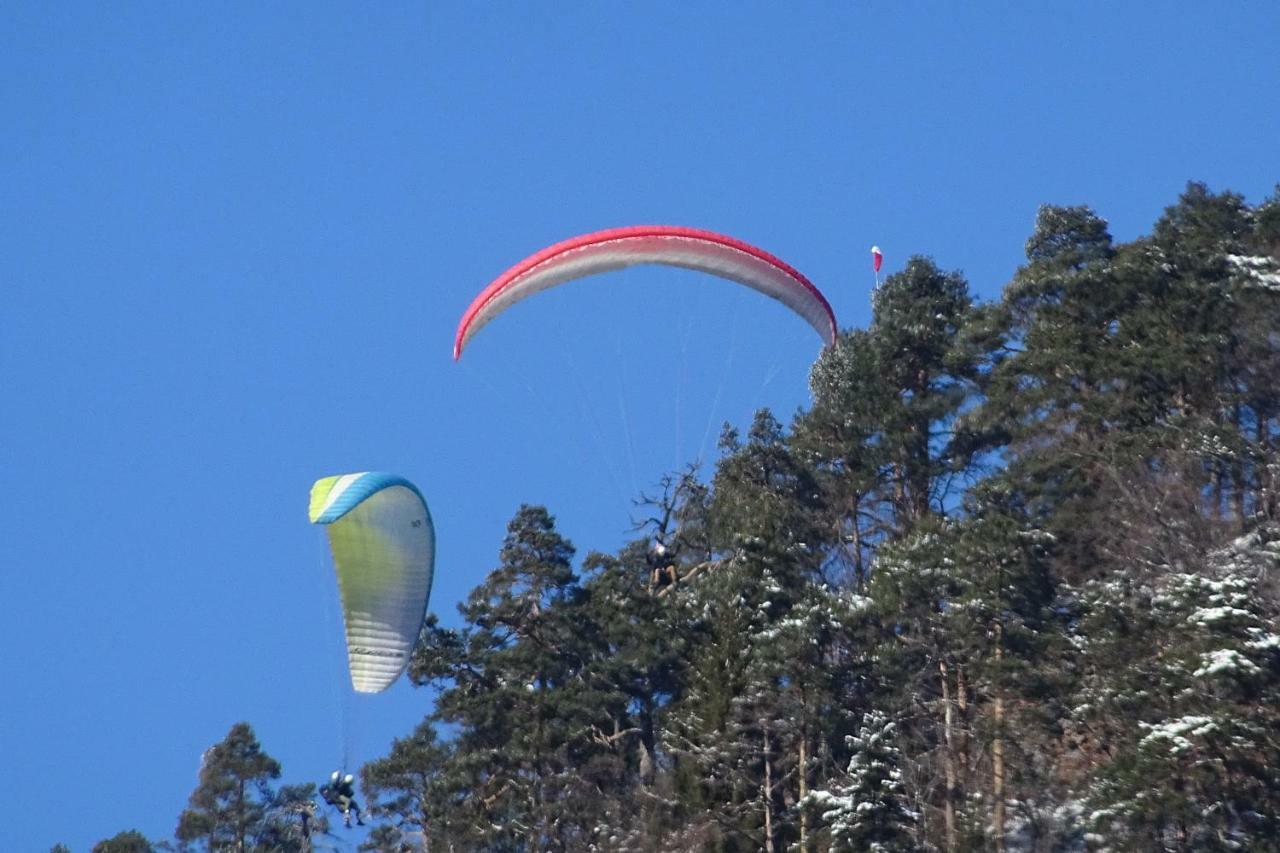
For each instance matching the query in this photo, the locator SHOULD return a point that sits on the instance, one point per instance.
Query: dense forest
(1009, 583)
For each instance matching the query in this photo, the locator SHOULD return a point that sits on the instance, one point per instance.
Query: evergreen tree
(1054, 398)
(868, 812)
(966, 609)
(922, 677)
(515, 691)
(129, 841)
(929, 363)
(715, 750)
(292, 819)
(1266, 240)
(387, 838)
(1197, 323)
(839, 438)
(637, 670)
(742, 731)
(808, 672)
(765, 503)
(884, 429)
(1007, 639)
(229, 809)
(1177, 716)
(1139, 361)
(410, 786)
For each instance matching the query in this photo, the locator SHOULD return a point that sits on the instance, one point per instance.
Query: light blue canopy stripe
(369, 484)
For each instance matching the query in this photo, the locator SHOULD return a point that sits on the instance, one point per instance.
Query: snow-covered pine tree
(867, 811)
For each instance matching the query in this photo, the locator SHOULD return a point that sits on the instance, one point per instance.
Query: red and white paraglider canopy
(616, 248)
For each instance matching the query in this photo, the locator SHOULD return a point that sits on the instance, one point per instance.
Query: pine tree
(410, 786)
(922, 677)
(1177, 715)
(868, 811)
(229, 809)
(808, 673)
(765, 502)
(1150, 360)
(292, 819)
(129, 841)
(637, 670)
(714, 750)
(740, 730)
(1007, 639)
(839, 438)
(884, 430)
(1055, 396)
(930, 362)
(386, 838)
(525, 715)
(964, 656)
(1267, 233)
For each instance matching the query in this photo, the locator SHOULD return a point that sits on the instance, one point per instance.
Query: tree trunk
(767, 791)
(859, 570)
(921, 463)
(648, 746)
(1266, 476)
(948, 763)
(1219, 492)
(804, 789)
(306, 832)
(1239, 488)
(900, 499)
(962, 729)
(241, 830)
(997, 754)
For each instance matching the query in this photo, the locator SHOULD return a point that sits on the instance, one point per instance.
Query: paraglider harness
(342, 796)
(662, 566)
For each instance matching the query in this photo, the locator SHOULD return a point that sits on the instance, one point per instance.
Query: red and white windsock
(876, 258)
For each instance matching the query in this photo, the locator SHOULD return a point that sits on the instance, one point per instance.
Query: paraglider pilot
(662, 569)
(340, 793)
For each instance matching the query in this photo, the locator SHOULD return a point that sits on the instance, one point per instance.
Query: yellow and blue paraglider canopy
(383, 545)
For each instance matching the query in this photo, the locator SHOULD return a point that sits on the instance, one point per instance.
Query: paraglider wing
(616, 248)
(383, 546)
(876, 258)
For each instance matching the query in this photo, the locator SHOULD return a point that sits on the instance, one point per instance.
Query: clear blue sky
(235, 240)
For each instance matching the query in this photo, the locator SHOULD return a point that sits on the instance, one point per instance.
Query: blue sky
(235, 240)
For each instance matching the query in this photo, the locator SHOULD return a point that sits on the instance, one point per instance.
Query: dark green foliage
(532, 744)
(1055, 398)
(866, 810)
(231, 807)
(766, 506)
(1068, 238)
(387, 838)
(1180, 698)
(292, 819)
(411, 787)
(885, 435)
(129, 841)
(1266, 239)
